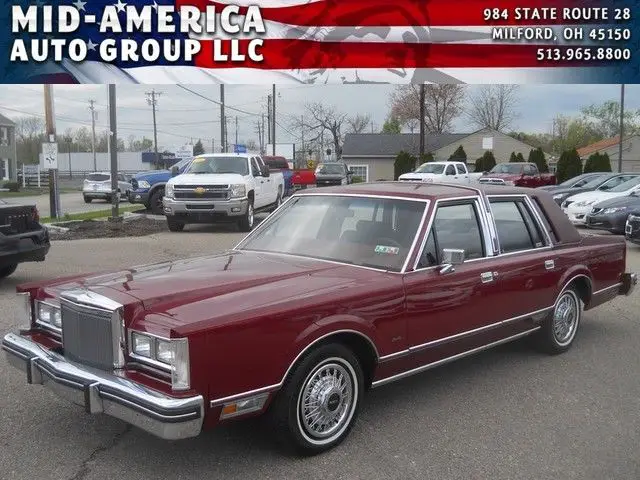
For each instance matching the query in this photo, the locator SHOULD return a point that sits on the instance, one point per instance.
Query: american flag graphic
(332, 41)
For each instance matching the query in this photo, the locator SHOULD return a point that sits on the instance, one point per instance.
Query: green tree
(427, 157)
(513, 158)
(519, 157)
(597, 162)
(604, 165)
(605, 118)
(537, 156)
(486, 162)
(198, 149)
(569, 165)
(404, 163)
(392, 125)
(459, 155)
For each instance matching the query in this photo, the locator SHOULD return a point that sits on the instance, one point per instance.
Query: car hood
(207, 178)
(625, 201)
(567, 191)
(596, 196)
(152, 176)
(219, 288)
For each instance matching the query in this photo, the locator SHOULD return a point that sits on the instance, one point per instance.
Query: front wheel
(8, 270)
(318, 404)
(87, 200)
(560, 328)
(174, 225)
(245, 224)
(155, 202)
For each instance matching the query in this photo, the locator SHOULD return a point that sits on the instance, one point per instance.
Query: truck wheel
(319, 402)
(8, 270)
(560, 327)
(87, 200)
(174, 225)
(108, 199)
(246, 221)
(155, 201)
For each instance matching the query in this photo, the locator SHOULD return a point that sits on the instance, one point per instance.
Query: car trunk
(15, 220)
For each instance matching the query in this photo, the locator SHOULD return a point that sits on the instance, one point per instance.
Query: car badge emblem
(199, 190)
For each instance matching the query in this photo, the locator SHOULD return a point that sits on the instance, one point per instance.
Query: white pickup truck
(441, 172)
(222, 187)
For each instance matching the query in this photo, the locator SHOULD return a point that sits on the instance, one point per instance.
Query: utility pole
(223, 120)
(422, 95)
(153, 101)
(621, 128)
(236, 130)
(93, 133)
(113, 141)
(213, 145)
(262, 133)
(54, 197)
(273, 144)
(269, 110)
(302, 128)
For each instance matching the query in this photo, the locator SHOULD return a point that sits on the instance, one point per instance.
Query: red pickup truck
(519, 174)
(303, 178)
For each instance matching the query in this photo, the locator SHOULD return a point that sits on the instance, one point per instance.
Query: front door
(448, 313)
(259, 182)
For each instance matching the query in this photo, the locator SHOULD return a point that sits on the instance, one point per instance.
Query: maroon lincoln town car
(337, 291)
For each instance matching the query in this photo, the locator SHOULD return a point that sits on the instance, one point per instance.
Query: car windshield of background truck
(430, 168)
(365, 231)
(325, 169)
(506, 168)
(203, 165)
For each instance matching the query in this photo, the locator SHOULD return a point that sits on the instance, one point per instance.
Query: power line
(219, 103)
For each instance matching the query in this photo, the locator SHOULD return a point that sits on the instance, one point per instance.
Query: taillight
(35, 214)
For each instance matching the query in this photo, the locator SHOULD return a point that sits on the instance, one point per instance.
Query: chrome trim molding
(97, 391)
(467, 333)
(220, 401)
(603, 290)
(467, 353)
(412, 249)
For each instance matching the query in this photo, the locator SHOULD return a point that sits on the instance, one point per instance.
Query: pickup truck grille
(201, 192)
(87, 335)
(491, 181)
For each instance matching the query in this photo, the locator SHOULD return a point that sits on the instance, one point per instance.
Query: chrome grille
(202, 192)
(88, 336)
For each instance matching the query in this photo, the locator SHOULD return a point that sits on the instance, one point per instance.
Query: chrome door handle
(549, 264)
(486, 277)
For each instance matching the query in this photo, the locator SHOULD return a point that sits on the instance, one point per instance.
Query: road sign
(50, 155)
(239, 149)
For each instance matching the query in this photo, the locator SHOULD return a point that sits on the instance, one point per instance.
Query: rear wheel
(319, 402)
(8, 270)
(560, 328)
(174, 225)
(278, 200)
(155, 201)
(246, 221)
(87, 200)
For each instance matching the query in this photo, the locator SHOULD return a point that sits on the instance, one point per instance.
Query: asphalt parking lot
(510, 413)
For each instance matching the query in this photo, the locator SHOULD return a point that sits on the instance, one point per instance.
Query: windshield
(628, 185)
(507, 168)
(596, 182)
(430, 168)
(371, 232)
(202, 165)
(581, 180)
(98, 177)
(329, 169)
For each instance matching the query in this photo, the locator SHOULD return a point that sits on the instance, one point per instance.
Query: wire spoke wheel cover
(327, 401)
(565, 318)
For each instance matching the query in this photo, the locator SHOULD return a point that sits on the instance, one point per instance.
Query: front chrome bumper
(629, 282)
(229, 208)
(100, 392)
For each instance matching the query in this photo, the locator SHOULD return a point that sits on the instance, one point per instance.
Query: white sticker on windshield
(386, 250)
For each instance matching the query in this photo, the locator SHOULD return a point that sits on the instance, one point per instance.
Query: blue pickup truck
(148, 187)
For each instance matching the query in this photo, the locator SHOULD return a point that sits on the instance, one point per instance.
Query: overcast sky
(182, 116)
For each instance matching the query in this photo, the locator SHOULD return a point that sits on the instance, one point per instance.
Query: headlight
(168, 191)
(615, 209)
(48, 315)
(144, 184)
(238, 191)
(584, 203)
(631, 218)
(171, 354)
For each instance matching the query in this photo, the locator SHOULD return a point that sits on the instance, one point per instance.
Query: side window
(529, 170)
(450, 170)
(516, 226)
(255, 168)
(545, 219)
(454, 226)
(462, 170)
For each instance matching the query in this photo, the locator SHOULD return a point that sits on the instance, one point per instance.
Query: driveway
(509, 413)
(70, 203)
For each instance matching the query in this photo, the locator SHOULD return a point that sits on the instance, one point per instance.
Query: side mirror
(264, 170)
(174, 171)
(450, 258)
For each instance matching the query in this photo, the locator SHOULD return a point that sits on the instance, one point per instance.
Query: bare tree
(320, 120)
(443, 104)
(494, 106)
(358, 123)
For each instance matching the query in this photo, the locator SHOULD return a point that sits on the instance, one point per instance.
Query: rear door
(259, 184)
(450, 174)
